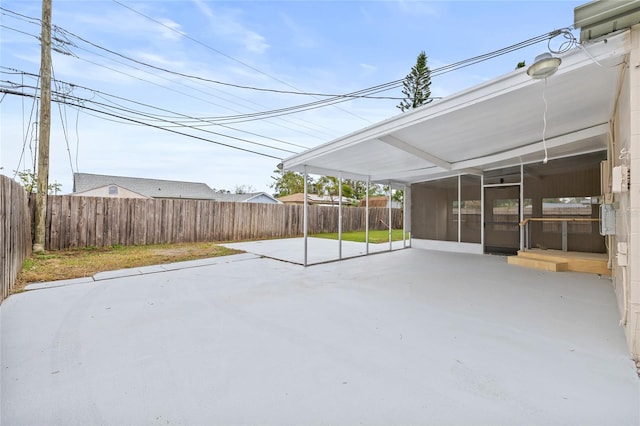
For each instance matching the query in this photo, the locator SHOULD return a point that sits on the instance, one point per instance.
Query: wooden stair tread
(547, 265)
(594, 263)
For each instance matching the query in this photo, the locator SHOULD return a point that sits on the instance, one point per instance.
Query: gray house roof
(254, 197)
(155, 188)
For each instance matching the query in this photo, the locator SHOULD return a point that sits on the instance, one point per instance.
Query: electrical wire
(315, 129)
(82, 103)
(228, 56)
(331, 100)
(152, 125)
(68, 42)
(25, 131)
(156, 117)
(64, 37)
(63, 121)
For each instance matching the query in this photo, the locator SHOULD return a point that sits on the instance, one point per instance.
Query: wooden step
(546, 265)
(593, 263)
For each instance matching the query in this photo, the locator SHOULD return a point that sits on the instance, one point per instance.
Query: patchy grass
(375, 236)
(85, 262)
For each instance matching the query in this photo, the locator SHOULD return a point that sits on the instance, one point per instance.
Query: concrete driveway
(406, 337)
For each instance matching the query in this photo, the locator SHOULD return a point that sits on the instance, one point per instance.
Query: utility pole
(45, 129)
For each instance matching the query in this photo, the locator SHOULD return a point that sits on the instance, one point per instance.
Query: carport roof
(496, 124)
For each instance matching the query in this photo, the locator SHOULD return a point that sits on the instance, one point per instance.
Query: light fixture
(544, 66)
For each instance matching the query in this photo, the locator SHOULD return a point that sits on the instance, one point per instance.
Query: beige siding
(627, 139)
(104, 192)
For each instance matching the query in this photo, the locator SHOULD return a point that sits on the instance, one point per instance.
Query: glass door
(501, 219)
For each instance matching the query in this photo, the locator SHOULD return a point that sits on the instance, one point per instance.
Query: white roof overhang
(496, 124)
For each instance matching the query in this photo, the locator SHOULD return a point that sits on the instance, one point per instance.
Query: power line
(225, 55)
(12, 92)
(158, 118)
(81, 103)
(332, 99)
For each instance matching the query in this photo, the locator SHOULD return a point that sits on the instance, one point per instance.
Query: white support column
(404, 216)
(305, 215)
(522, 207)
(366, 218)
(340, 216)
(390, 218)
(482, 212)
(407, 211)
(459, 208)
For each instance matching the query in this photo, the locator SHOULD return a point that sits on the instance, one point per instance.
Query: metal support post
(404, 216)
(366, 218)
(390, 219)
(521, 229)
(340, 216)
(305, 215)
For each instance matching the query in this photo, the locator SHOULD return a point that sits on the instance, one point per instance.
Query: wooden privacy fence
(15, 232)
(74, 221)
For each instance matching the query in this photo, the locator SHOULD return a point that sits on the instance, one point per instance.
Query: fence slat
(84, 221)
(15, 232)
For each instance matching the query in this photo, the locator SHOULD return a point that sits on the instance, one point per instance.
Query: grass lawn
(86, 262)
(375, 236)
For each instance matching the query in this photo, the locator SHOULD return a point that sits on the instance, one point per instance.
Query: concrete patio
(319, 250)
(407, 337)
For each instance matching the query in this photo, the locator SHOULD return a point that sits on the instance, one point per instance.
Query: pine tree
(416, 85)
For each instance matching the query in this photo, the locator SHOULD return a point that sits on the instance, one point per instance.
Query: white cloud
(171, 30)
(367, 70)
(417, 8)
(203, 8)
(134, 26)
(228, 23)
(255, 43)
(299, 35)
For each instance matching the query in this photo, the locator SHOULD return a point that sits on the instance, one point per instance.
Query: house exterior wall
(104, 192)
(625, 150)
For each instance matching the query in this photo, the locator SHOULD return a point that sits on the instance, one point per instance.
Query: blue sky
(331, 47)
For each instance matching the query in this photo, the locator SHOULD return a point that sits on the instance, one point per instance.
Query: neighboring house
(313, 199)
(113, 191)
(381, 201)
(254, 197)
(517, 141)
(132, 187)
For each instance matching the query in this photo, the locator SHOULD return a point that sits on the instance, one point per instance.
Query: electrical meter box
(607, 219)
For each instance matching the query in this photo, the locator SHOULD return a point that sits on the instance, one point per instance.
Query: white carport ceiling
(495, 124)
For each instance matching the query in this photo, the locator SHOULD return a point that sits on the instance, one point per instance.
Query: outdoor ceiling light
(544, 66)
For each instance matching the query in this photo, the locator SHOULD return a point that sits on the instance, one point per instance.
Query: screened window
(565, 208)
